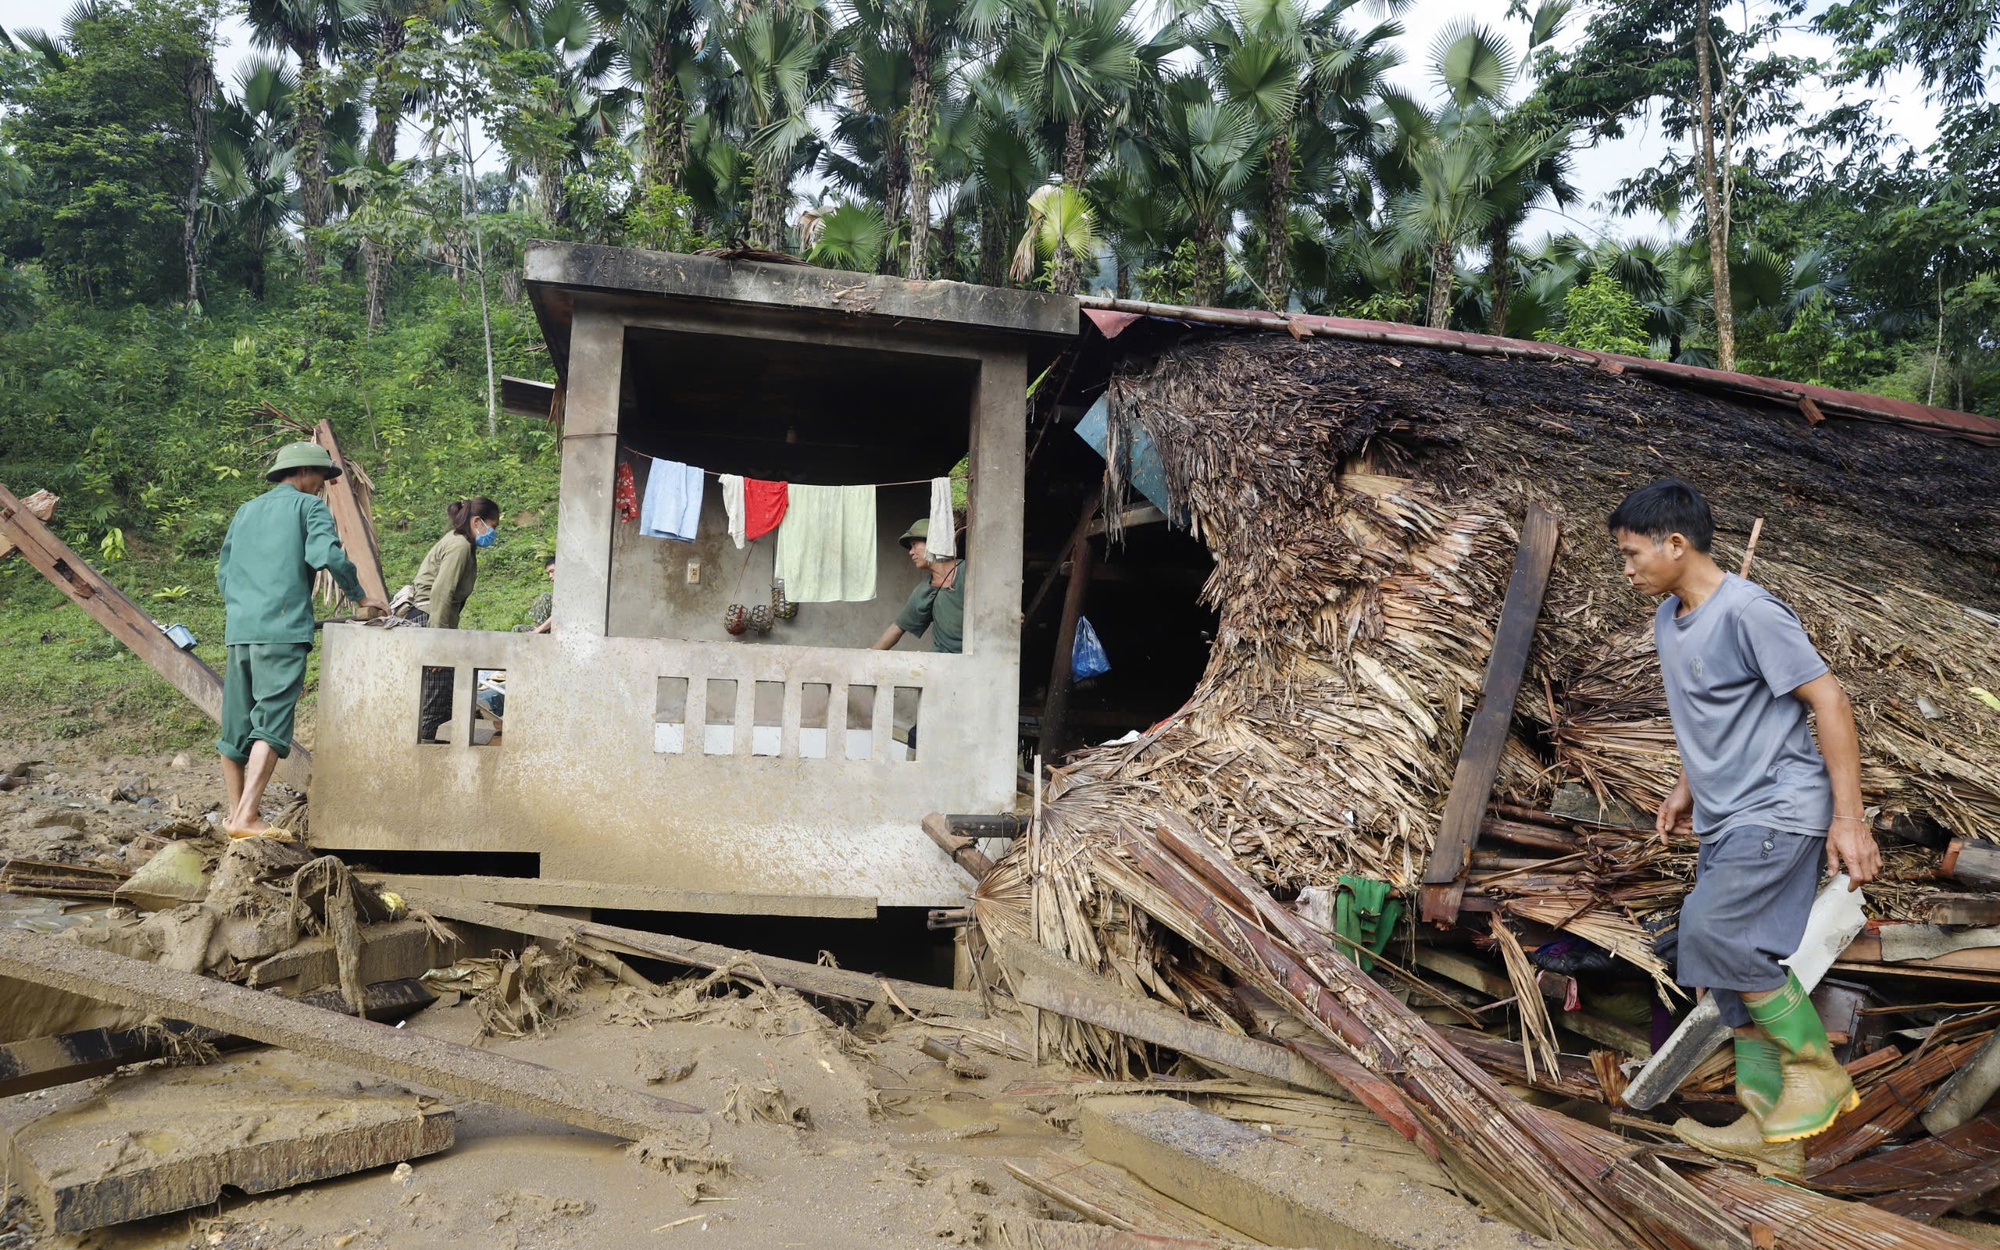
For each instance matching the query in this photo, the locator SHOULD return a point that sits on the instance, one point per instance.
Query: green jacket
(276, 544)
(930, 606)
(445, 580)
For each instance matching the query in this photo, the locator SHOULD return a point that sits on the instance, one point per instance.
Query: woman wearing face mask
(444, 582)
(451, 568)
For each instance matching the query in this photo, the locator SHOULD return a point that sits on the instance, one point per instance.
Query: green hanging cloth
(1365, 915)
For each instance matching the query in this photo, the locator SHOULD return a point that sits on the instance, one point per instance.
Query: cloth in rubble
(826, 546)
(625, 493)
(1730, 666)
(274, 546)
(942, 541)
(1753, 893)
(754, 507)
(673, 501)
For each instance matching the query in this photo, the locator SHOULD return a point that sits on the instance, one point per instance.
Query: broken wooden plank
(1925, 1202)
(1888, 1107)
(1960, 1098)
(1378, 1095)
(1109, 1195)
(624, 896)
(1004, 825)
(1973, 1144)
(1013, 1232)
(804, 977)
(1960, 909)
(1486, 737)
(126, 620)
(1975, 863)
(401, 1054)
(390, 951)
(1865, 953)
(1472, 974)
(350, 517)
(40, 1062)
(170, 1139)
(1053, 721)
(963, 851)
(41, 505)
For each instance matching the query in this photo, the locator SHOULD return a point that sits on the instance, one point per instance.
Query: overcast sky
(1901, 101)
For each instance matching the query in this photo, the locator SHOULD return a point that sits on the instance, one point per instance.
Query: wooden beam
(804, 977)
(1054, 720)
(357, 528)
(1975, 863)
(42, 505)
(1472, 974)
(126, 620)
(1058, 566)
(1486, 738)
(1960, 909)
(623, 895)
(962, 850)
(400, 1054)
(1145, 514)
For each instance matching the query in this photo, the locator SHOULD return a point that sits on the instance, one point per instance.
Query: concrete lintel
(1344, 1199)
(628, 896)
(746, 282)
(397, 951)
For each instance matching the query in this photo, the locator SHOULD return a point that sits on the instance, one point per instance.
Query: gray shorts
(1753, 890)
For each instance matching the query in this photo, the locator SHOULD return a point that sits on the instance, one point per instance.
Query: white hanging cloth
(732, 505)
(942, 541)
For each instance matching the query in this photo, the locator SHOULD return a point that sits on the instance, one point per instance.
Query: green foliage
(102, 129)
(1815, 348)
(1170, 280)
(1601, 316)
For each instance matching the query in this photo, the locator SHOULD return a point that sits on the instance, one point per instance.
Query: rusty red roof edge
(1112, 316)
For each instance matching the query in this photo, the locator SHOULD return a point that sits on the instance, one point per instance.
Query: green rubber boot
(1759, 1082)
(1815, 1088)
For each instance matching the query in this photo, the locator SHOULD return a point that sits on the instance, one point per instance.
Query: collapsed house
(1313, 846)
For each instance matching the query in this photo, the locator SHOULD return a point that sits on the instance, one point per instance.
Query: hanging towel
(673, 501)
(942, 542)
(732, 504)
(764, 506)
(624, 494)
(826, 547)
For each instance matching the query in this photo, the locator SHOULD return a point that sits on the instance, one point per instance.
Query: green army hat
(918, 530)
(302, 455)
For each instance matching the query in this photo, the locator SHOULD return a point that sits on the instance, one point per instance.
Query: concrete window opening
(434, 698)
(489, 705)
(908, 703)
(767, 718)
(718, 717)
(670, 716)
(814, 696)
(861, 722)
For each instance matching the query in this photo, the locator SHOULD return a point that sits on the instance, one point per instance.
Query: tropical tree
(1073, 62)
(250, 170)
(782, 57)
(869, 154)
(924, 35)
(659, 43)
(848, 236)
(1197, 154)
(1288, 65)
(316, 32)
(1006, 165)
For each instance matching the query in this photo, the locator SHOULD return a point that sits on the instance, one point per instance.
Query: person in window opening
(541, 610)
(444, 582)
(276, 543)
(938, 602)
(1769, 806)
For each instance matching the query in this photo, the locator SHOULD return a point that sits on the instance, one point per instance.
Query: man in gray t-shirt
(1768, 805)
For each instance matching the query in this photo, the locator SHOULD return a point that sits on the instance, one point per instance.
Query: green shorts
(261, 682)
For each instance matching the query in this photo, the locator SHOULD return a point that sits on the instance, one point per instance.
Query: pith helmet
(302, 455)
(918, 530)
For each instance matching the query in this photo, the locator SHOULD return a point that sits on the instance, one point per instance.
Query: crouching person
(1769, 806)
(276, 544)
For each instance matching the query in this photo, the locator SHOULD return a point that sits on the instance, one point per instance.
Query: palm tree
(1007, 165)
(1197, 153)
(316, 32)
(573, 113)
(925, 34)
(1074, 61)
(660, 43)
(848, 236)
(250, 167)
(869, 157)
(782, 59)
(1290, 66)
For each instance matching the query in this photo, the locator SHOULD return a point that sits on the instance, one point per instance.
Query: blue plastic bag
(1087, 658)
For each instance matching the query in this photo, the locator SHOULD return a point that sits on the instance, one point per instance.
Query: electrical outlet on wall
(694, 571)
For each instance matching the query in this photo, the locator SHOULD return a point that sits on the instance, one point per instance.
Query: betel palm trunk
(1440, 309)
(312, 159)
(920, 129)
(1499, 248)
(1278, 222)
(1209, 262)
(666, 150)
(1068, 265)
(382, 150)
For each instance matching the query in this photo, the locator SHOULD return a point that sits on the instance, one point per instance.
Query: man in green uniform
(276, 543)
(938, 602)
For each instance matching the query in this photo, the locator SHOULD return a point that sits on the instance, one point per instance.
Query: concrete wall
(589, 774)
